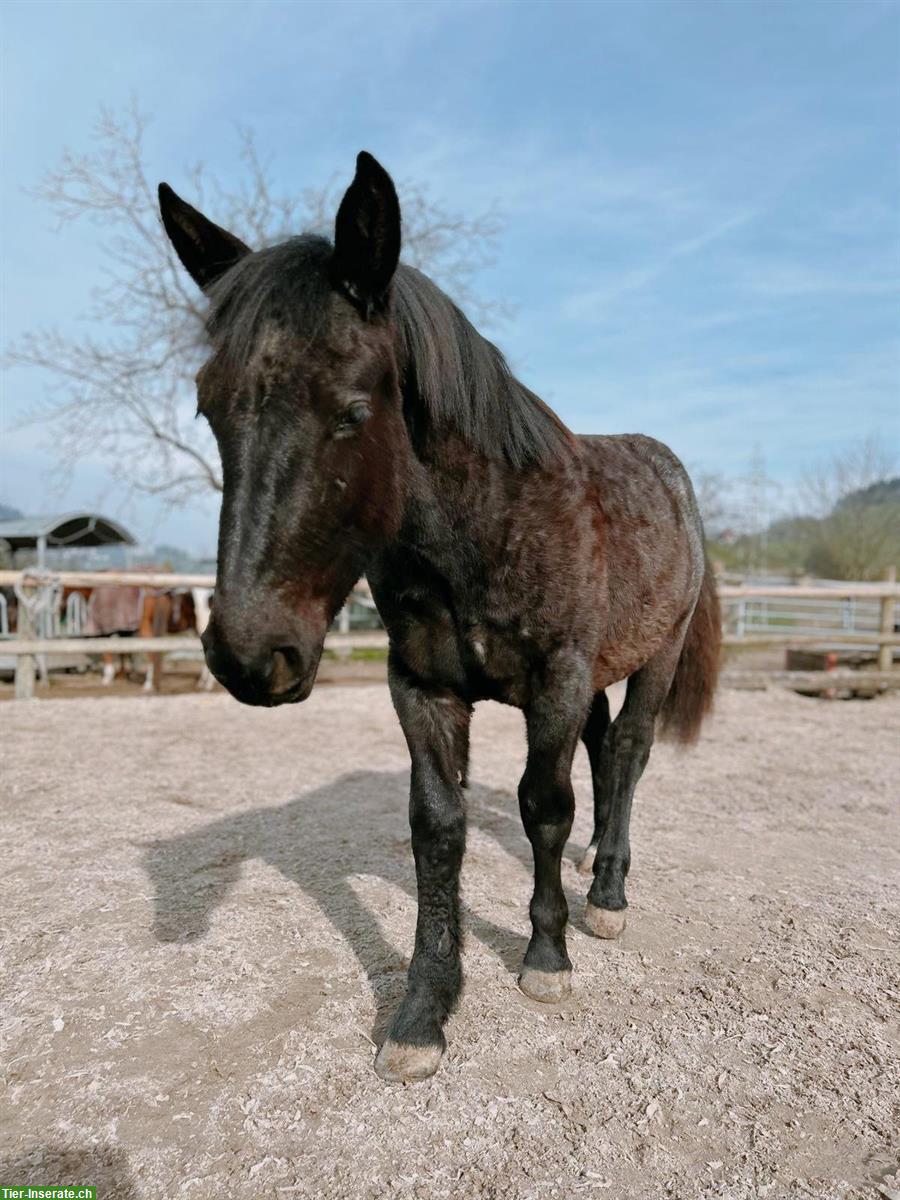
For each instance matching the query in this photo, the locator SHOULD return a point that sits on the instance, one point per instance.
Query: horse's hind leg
(623, 757)
(547, 804)
(593, 736)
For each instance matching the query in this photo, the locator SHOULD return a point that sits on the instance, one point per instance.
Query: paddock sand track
(208, 910)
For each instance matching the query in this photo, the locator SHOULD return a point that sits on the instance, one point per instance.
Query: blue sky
(701, 199)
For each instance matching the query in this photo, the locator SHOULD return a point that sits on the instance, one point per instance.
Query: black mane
(452, 377)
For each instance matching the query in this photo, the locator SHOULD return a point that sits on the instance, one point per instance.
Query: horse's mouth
(246, 691)
(294, 694)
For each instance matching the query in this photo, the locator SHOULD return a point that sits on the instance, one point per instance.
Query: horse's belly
(629, 641)
(616, 663)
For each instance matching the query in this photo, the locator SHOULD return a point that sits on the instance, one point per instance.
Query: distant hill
(885, 491)
(180, 560)
(8, 513)
(856, 540)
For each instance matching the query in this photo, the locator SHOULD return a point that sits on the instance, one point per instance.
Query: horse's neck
(464, 508)
(459, 509)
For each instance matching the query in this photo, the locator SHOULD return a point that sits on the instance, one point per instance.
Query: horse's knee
(546, 801)
(632, 740)
(439, 835)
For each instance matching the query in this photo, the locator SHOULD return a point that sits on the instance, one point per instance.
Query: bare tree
(126, 392)
(713, 492)
(858, 534)
(852, 470)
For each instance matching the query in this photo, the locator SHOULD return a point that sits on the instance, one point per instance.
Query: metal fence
(825, 616)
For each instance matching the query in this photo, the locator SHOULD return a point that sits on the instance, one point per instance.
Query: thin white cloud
(785, 279)
(593, 304)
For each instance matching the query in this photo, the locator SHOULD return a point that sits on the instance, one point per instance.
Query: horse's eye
(352, 417)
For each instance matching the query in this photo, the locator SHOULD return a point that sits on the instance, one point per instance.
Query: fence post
(886, 651)
(24, 629)
(343, 652)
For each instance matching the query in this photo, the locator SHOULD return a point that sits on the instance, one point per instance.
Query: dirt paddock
(207, 913)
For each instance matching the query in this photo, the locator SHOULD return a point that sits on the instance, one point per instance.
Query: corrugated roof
(64, 529)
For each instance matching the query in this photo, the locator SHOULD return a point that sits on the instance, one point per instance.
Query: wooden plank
(371, 639)
(360, 639)
(814, 681)
(100, 645)
(849, 591)
(829, 638)
(25, 664)
(154, 579)
(885, 657)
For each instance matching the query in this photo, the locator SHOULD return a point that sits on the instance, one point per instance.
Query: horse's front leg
(436, 725)
(554, 720)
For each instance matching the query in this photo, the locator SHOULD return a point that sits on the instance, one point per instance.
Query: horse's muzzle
(269, 669)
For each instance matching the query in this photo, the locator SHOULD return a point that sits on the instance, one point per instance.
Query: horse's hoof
(604, 922)
(547, 987)
(396, 1063)
(586, 866)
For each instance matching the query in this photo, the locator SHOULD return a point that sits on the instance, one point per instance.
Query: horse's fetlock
(549, 912)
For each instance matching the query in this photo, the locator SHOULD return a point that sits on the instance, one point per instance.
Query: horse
(164, 610)
(202, 599)
(126, 610)
(364, 425)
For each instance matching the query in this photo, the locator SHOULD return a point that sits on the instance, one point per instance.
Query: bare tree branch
(857, 467)
(713, 492)
(126, 392)
(858, 534)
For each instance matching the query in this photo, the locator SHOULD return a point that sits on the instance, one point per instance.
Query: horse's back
(642, 485)
(652, 546)
(608, 455)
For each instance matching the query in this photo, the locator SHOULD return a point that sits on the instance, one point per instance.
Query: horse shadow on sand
(104, 1167)
(355, 826)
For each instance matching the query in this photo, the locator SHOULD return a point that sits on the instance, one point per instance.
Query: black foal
(365, 426)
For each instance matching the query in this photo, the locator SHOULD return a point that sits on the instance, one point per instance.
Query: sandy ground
(207, 912)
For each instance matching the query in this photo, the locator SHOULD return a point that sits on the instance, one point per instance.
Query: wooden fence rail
(153, 579)
(888, 589)
(359, 640)
(857, 682)
(373, 638)
(26, 647)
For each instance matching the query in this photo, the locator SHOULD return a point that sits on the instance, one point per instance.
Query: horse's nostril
(285, 668)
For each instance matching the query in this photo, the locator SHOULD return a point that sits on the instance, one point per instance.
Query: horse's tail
(690, 697)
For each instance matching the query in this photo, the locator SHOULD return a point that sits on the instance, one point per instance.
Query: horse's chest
(462, 651)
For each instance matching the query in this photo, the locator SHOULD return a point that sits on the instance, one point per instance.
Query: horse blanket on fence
(114, 610)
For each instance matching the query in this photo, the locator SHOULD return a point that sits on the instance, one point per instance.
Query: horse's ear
(206, 250)
(367, 236)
